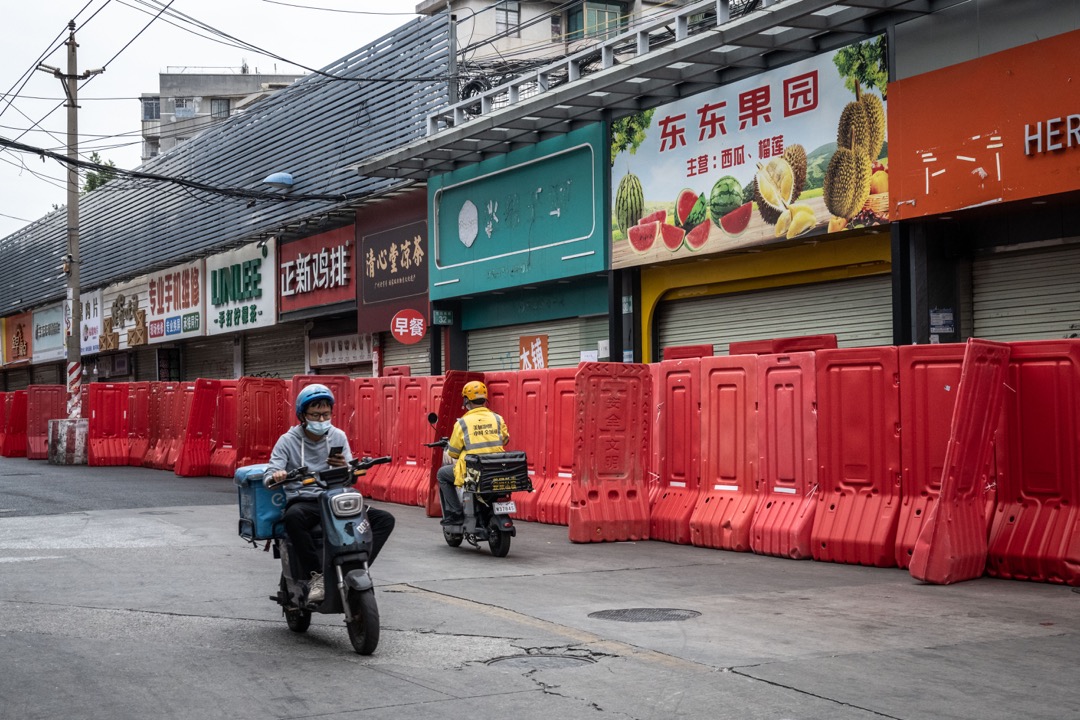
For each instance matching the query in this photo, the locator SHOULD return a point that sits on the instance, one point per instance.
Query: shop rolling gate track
(789, 454)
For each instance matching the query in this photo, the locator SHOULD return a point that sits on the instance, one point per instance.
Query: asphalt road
(125, 593)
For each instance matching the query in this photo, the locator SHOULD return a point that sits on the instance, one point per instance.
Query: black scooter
(343, 540)
(485, 497)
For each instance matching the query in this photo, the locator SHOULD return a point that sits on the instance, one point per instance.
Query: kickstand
(266, 548)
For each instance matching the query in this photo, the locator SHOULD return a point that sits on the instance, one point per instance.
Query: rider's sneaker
(316, 593)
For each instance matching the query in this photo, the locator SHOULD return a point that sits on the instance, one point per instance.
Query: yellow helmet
(474, 390)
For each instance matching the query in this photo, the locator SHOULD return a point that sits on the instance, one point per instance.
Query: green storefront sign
(530, 216)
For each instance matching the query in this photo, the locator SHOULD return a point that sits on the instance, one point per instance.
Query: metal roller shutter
(18, 379)
(276, 352)
(45, 374)
(496, 349)
(210, 358)
(146, 363)
(417, 356)
(1027, 297)
(858, 312)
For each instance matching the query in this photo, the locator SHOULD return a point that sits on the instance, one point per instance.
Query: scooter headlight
(347, 504)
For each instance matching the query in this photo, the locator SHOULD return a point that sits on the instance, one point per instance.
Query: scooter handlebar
(366, 462)
(443, 443)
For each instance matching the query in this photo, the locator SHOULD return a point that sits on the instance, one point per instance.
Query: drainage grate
(541, 662)
(645, 615)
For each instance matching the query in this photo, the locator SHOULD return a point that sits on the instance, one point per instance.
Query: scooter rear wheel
(364, 628)
(298, 619)
(498, 539)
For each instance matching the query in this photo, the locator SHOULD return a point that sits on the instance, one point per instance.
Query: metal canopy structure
(698, 47)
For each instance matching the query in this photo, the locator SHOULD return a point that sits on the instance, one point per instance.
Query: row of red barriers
(877, 456)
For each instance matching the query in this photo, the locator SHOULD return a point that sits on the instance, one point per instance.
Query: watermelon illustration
(684, 205)
(673, 236)
(727, 195)
(659, 215)
(695, 239)
(643, 237)
(734, 223)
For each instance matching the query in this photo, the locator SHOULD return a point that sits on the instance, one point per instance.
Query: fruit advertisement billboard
(786, 155)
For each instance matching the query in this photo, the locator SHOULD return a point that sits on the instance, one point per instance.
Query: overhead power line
(240, 193)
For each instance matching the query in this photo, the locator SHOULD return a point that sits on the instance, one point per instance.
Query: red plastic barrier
(389, 392)
(263, 413)
(1036, 529)
(787, 441)
(560, 441)
(952, 545)
(504, 398)
(107, 424)
(780, 346)
(180, 412)
(729, 454)
(448, 410)
(858, 510)
(365, 438)
(929, 378)
(344, 397)
(156, 405)
(678, 433)
(193, 458)
(138, 422)
(5, 403)
(43, 403)
(15, 425)
(223, 438)
(609, 500)
(683, 352)
(397, 371)
(408, 473)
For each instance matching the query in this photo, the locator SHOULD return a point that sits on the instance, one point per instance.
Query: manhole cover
(645, 615)
(541, 662)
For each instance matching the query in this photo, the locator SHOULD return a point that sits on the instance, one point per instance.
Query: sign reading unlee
(408, 326)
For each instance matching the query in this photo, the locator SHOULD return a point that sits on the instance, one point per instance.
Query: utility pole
(70, 80)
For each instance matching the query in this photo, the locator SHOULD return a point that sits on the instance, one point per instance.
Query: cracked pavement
(125, 593)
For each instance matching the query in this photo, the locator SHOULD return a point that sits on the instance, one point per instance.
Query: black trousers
(301, 517)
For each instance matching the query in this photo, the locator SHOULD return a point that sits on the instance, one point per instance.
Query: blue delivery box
(261, 509)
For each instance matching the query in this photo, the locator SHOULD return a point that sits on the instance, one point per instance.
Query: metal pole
(74, 347)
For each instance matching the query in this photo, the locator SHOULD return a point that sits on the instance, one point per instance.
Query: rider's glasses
(316, 417)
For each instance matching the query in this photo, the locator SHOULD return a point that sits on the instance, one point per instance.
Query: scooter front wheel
(364, 627)
(498, 539)
(452, 539)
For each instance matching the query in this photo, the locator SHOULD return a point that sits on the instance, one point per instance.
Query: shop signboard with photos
(352, 349)
(241, 289)
(174, 307)
(786, 155)
(49, 333)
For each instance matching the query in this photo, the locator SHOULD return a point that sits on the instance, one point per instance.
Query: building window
(150, 148)
(556, 28)
(184, 108)
(151, 108)
(508, 18)
(219, 108)
(596, 20)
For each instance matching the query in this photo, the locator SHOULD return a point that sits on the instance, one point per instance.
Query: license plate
(504, 508)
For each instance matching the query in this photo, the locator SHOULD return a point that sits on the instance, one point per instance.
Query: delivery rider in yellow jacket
(476, 432)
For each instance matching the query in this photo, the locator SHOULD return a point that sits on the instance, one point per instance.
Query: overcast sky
(312, 33)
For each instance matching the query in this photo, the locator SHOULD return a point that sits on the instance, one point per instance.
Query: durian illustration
(780, 182)
(860, 135)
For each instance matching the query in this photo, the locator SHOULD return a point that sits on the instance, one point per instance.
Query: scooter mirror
(432, 418)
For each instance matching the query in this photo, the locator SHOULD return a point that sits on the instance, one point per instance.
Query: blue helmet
(310, 394)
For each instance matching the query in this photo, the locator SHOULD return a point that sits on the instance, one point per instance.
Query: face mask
(318, 428)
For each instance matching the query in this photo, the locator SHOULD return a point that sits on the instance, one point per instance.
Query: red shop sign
(408, 326)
